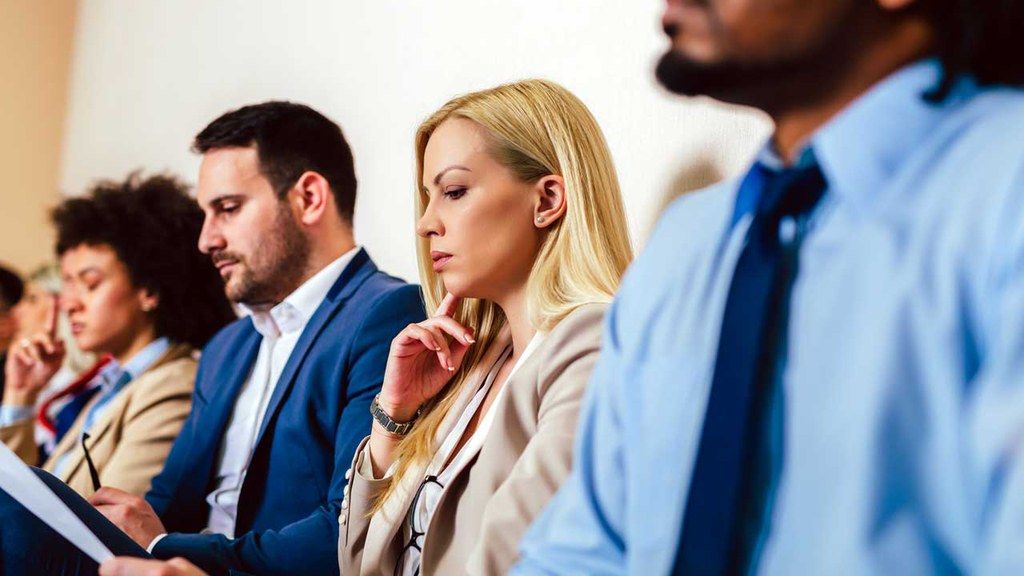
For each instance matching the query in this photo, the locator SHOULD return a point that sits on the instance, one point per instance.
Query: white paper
(24, 486)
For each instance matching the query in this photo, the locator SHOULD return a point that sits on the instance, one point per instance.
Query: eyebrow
(217, 200)
(437, 179)
(86, 270)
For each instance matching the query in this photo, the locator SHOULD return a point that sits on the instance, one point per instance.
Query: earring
(540, 219)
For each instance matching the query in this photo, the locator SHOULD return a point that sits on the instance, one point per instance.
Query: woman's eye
(455, 193)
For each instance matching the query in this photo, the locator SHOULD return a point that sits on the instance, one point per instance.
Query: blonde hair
(47, 278)
(536, 128)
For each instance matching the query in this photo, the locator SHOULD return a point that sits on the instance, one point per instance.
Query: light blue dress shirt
(903, 389)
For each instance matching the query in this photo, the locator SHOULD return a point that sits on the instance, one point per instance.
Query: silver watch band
(382, 418)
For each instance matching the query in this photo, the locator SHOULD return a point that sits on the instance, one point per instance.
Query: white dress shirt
(280, 327)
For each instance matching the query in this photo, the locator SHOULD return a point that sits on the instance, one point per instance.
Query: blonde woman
(522, 242)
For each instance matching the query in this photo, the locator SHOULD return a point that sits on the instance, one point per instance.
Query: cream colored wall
(36, 39)
(149, 74)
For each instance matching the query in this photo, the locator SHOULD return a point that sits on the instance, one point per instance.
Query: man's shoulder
(976, 138)
(690, 227)
(380, 293)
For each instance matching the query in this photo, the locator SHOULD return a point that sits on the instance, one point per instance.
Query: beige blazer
(130, 442)
(493, 498)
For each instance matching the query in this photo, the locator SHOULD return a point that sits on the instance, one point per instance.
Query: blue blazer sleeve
(272, 552)
(165, 484)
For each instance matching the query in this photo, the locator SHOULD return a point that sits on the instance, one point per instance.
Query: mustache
(219, 257)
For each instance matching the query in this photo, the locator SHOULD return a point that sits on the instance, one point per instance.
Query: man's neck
(320, 259)
(796, 123)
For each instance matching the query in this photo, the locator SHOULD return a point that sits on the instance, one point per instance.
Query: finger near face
(448, 305)
(30, 312)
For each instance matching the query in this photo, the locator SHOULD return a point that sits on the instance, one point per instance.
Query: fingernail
(469, 339)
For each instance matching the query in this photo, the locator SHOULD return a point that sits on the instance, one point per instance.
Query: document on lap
(22, 484)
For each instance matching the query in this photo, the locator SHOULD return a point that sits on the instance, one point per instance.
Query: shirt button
(348, 474)
(344, 504)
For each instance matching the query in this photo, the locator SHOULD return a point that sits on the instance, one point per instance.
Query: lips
(224, 266)
(440, 259)
(77, 328)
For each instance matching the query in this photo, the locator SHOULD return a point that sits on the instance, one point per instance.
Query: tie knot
(791, 192)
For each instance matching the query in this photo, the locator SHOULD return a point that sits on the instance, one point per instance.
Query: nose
(210, 238)
(69, 300)
(429, 223)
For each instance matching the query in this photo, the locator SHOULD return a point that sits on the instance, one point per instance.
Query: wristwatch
(382, 418)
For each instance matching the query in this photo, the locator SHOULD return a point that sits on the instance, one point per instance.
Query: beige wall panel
(36, 40)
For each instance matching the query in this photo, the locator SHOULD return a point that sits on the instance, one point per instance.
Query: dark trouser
(28, 547)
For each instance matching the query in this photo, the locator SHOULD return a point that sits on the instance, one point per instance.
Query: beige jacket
(130, 442)
(493, 498)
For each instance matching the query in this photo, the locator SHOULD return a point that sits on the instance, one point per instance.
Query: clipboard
(22, 484)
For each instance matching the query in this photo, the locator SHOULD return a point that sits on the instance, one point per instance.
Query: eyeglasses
(417, 524)
(92, 467)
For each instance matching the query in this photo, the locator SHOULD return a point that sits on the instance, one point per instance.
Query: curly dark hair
(290, 139)
(153, 226)
(980, 38)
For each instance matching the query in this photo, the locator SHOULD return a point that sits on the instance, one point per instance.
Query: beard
(683, 76)
(750, 84)
(268, 275)
(788, 74)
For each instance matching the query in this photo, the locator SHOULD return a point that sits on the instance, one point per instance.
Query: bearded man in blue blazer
(254, 483)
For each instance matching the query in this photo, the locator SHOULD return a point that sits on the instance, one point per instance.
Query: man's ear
(311, 197)
(550, 201)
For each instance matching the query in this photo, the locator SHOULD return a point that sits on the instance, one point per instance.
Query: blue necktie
(728, 490)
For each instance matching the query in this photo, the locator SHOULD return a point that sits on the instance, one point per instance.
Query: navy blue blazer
(319, 412)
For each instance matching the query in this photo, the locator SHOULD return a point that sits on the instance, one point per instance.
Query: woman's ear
(148, 301)
(550, 201)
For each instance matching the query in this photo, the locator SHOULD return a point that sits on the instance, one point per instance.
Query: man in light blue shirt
(891, 436)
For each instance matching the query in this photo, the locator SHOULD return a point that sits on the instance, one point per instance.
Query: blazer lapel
(473, 448)
(218, 412)
(67, 445)
(357, 272)
(70, 442)
(388, 521)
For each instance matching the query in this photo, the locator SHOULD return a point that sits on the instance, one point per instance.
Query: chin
(86, 344)
(458, 287)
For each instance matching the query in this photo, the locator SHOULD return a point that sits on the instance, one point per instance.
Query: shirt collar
(292, 313)
(113, 372)
(862, 147)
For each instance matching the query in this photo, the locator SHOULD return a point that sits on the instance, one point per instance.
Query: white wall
(148, 74)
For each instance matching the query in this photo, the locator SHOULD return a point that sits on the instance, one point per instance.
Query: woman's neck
(140, 340)
(518, 318)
